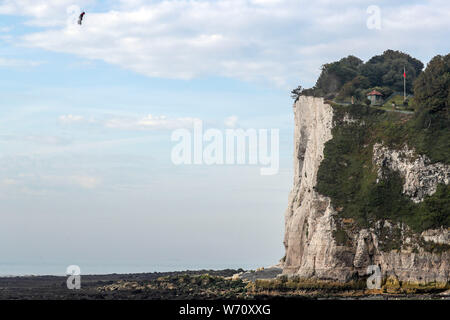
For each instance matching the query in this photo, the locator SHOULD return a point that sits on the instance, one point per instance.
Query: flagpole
(404, 84)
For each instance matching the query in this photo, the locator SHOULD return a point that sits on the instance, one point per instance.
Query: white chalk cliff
(310, 219)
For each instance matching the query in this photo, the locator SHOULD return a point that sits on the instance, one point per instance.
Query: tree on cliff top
(431, 123)
(334, 75)
(350, 75)
(432, 87)
(386, 70)
(296, 93)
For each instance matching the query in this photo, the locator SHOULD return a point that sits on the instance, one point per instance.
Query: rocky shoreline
(228, 284)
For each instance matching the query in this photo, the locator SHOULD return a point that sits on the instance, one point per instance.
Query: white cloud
(264, 40)
(418, 17)
(186, 39)
(147, 122)
(43, 12)
(150, 122)
(70, 118)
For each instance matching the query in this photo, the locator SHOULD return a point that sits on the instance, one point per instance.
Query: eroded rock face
(441, 236)
(311, 222)
(421, 177)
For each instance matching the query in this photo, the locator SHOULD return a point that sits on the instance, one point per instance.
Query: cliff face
(312, 223)
(421, 177)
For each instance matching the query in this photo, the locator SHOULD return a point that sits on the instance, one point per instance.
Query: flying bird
(80, 19)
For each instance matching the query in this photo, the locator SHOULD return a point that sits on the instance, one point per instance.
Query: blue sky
(86, 178)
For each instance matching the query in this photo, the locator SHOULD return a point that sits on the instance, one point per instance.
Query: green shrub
(348, 176)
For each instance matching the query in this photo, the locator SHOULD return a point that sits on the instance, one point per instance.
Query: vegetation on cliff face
(348, 175)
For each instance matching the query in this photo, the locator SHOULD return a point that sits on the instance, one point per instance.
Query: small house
(375, 97)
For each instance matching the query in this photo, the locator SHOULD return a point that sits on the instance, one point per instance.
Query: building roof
(374, 93)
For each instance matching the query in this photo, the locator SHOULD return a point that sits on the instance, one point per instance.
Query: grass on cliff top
(348, 176)
(398, 100)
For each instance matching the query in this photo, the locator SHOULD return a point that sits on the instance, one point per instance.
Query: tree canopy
(350, 76)
(386, 70)
(432, 88)
(334, 75)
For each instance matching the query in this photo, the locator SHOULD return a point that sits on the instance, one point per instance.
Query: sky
(87, 113)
